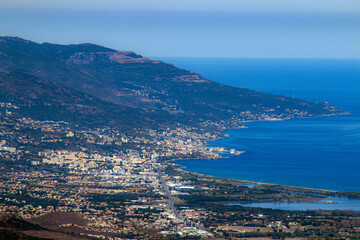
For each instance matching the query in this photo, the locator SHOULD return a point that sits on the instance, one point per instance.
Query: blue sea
(322, 153)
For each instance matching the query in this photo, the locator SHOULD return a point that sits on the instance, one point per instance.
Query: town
(107, 184)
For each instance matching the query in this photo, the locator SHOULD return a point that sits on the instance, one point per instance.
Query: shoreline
(182, 167)
(326, 192)
(319, 195)
(273, 120)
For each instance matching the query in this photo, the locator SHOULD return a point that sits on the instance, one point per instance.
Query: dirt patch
(56, 220)
(51, 235)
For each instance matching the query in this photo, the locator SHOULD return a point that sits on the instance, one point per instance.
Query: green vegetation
(92, 85)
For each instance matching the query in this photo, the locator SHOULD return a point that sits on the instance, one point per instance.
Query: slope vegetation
(84, 82)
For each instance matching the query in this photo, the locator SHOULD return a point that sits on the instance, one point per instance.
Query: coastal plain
(88, 135)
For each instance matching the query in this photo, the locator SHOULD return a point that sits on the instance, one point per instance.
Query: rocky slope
(82, 81)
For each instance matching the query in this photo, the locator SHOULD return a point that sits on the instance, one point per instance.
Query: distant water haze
(336, 81)
(235, 32)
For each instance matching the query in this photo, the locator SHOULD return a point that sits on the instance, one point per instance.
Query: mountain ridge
(159, 90)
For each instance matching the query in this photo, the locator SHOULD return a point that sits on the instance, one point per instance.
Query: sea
(321, 153)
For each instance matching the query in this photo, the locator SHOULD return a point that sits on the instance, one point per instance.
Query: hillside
(43, 100)
(78, 82)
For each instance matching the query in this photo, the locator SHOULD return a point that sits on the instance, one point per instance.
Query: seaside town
(106, 184)
(181, 119)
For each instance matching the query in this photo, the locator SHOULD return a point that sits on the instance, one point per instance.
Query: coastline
(312, 195)
(284, 119)
(275, 120)
(328, 193)
(325, 192)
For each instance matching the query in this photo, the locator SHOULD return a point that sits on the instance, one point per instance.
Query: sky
(193, 28)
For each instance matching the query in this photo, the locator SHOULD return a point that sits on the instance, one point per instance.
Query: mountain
(46, 100)
(86, 81)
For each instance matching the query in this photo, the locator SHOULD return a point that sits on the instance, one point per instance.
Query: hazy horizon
(229, 29)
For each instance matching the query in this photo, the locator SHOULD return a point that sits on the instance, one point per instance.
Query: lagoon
(340, 204)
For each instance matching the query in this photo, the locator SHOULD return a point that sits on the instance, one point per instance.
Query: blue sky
(193, 28)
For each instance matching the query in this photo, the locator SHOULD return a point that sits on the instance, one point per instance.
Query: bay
(322, 153)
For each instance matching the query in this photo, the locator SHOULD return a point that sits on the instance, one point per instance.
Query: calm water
(319, 153)
(341, 204)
